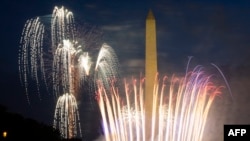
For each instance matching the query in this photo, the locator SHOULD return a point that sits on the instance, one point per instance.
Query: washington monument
(150, 68)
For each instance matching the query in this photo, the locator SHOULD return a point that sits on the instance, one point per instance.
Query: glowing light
(180, 109)
(4, 134)
(85, 62)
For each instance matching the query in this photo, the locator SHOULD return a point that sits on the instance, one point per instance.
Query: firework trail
(62, 26)
(30, 52)
(106, 66)
(180, 108)
(66, 117)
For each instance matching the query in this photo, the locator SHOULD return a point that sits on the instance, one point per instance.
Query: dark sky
(212, 31)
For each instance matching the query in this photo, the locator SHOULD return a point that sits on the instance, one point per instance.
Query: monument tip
(150, 14)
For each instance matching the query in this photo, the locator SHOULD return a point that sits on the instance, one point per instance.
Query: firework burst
(180, 108)
(71, 63)
(66, 117)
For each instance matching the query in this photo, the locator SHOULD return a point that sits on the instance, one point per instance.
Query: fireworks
(70, 63)
(180, 104)
(180, 109)
(66, 117)
(32, 49)
(70, 60)
(31, 52)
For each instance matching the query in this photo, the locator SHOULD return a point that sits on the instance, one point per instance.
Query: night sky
(212, 31)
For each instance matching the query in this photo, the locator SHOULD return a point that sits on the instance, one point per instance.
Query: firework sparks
(62, 26)
(180, 109)
(30, 54)
(66, 117)
(85, 63)
(70, 63)
(106, 65)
